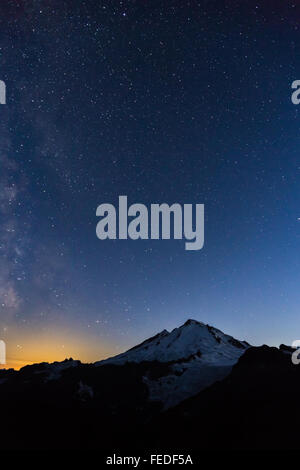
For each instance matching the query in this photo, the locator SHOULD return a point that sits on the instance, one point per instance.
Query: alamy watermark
(154, 224)
(2, 352)
(2, 92)
(296, 353)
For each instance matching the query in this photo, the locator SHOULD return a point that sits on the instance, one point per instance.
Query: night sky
(162, 101)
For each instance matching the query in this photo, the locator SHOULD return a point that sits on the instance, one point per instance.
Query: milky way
(186, 102)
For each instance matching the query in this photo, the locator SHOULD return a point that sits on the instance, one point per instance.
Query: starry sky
(162, 101)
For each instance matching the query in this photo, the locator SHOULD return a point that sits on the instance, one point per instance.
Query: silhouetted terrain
(255, 407)
(109, 405)
(84, 407)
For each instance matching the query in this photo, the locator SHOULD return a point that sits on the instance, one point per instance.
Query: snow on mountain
(192, 341)
(174, 365)
(197, 354)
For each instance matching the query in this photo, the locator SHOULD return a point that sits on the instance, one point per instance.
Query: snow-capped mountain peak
(196, 355)
(193, 340)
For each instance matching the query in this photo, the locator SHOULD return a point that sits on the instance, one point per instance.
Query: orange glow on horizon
(15, 364)
(26, 350)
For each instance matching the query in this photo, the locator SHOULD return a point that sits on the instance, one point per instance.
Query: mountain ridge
(193, 339)
(189, 358)
(204, 401)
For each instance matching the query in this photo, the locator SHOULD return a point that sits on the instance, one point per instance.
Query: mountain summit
(193, 340)
(170, 366)
(196, 356)
(126, 393)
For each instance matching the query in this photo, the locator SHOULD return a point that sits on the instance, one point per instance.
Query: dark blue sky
(176, 101)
